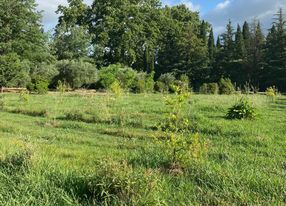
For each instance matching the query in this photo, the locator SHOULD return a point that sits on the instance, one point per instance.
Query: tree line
(140, 34)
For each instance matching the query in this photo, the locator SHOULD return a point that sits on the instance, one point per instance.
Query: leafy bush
(38, 85)
(182, 145)
(209, 88)
(44, 71)
(144, 83)
(62, 87)
(241, 110)
(165, 82)
(160, 87)
(125, 76)
(116, 88)
(226, 86)
(271, 92)
(24, 96)
(76, 74)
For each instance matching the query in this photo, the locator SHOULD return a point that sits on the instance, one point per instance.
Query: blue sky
(217, 12)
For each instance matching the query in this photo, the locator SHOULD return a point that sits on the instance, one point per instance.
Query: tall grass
(101, 151)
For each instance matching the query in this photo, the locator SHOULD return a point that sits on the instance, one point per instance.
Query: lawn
(97, 149)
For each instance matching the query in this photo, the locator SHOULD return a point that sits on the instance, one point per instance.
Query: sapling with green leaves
(182, 145)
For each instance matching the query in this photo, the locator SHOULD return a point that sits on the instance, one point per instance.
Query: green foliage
(242, 109)
(62, 87)
(23, 44)
(125, 76)
(24, 96)
(2, 102)
(76, 73)
(144, 83)
(226, 86)
(209, 88)
(165, 82)
(182, 146)
(14, 72)
(98, 161)
(115, 88)
(271, 92)
(38, 85)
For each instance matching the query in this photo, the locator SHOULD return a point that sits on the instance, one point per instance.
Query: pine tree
(240, 51)
(228, 42)
(275, 55)
(246, 36)
(203, 31)
(211, 46)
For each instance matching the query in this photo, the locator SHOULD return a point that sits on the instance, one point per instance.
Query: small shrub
(241, 110)
(24, 96)
(115, 88)
(182, 146)
(209, 88)
(166, 82)
(38, 85)
(160, 87)
(226, 86)
(271, 92)
(144, 83)
(62, 87)
(125, 76)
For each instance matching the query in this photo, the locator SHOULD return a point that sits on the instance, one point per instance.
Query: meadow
(99, 149)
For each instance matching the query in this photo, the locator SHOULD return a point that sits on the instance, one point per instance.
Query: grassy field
(74, 149)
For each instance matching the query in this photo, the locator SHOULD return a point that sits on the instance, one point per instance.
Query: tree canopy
(143, 35)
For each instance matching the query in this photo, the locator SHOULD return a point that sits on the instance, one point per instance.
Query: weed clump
(15, 162)
(113, 183)
(2, 102)
(242, 109)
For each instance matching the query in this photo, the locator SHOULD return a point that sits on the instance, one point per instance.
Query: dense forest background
(138, 40)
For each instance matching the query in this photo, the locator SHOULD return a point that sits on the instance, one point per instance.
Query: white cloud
(191, 5)
(223, 5)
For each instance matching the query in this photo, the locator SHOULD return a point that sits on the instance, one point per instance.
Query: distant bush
(38, 85)
(76, 74)
(160, 87)
(125, 76)
(44, 71)
(165, 82)
(226, 86)
(209, 88)
(144, 83)
(241, 110)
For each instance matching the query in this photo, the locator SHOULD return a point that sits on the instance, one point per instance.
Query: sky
(217, 12)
